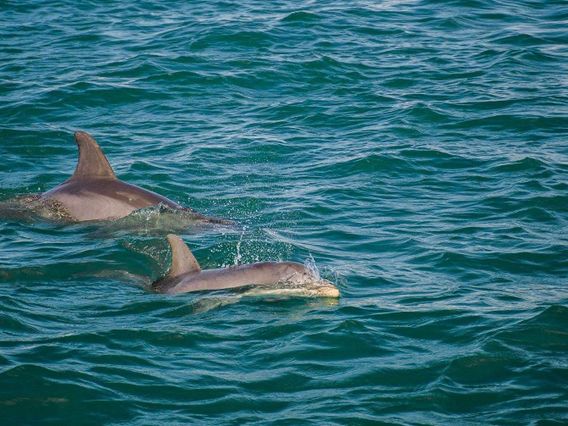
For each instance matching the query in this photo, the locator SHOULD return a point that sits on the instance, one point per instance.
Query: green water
(417, 150)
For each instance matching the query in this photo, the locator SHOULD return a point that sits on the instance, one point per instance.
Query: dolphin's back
(265, 273)
(98, 199)
(94, 193)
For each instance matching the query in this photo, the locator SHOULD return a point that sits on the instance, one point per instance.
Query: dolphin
(94, 192)
(268, 278)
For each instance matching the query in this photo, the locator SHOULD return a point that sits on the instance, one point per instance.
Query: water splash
(32, 207)
(238, 256)
(158, 220)
(311, 266)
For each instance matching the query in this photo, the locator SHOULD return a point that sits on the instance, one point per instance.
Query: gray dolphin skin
(95, 193)
(269, 278)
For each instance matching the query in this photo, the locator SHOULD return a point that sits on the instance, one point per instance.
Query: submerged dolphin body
(268, 278)
(95, 193)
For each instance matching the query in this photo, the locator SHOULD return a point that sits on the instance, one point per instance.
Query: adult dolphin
(95, 193)
(270, 278)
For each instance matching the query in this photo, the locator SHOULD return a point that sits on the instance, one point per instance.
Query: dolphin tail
(92, 162)
(183, 261)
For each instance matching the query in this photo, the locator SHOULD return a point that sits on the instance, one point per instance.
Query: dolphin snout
(327, 289)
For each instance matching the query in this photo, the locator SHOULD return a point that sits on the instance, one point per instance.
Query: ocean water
(416, 150)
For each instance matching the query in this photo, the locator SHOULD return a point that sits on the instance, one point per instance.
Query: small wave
(301, 16)
(523, 165)
(510, 123)
(365, 163)
(238, 39)
(544, 332)
(519, 39)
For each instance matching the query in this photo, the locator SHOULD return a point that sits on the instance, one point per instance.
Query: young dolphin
(95, 193)
(269, 278)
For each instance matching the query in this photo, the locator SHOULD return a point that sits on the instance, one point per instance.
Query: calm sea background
(417, 150)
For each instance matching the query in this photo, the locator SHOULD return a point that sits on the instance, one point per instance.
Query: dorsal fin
(183, 261)
(92, 162)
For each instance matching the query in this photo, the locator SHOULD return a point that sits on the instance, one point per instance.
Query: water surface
(417, 150)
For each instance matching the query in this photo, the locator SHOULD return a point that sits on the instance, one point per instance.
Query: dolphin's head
(321, 288)
(298, 280)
